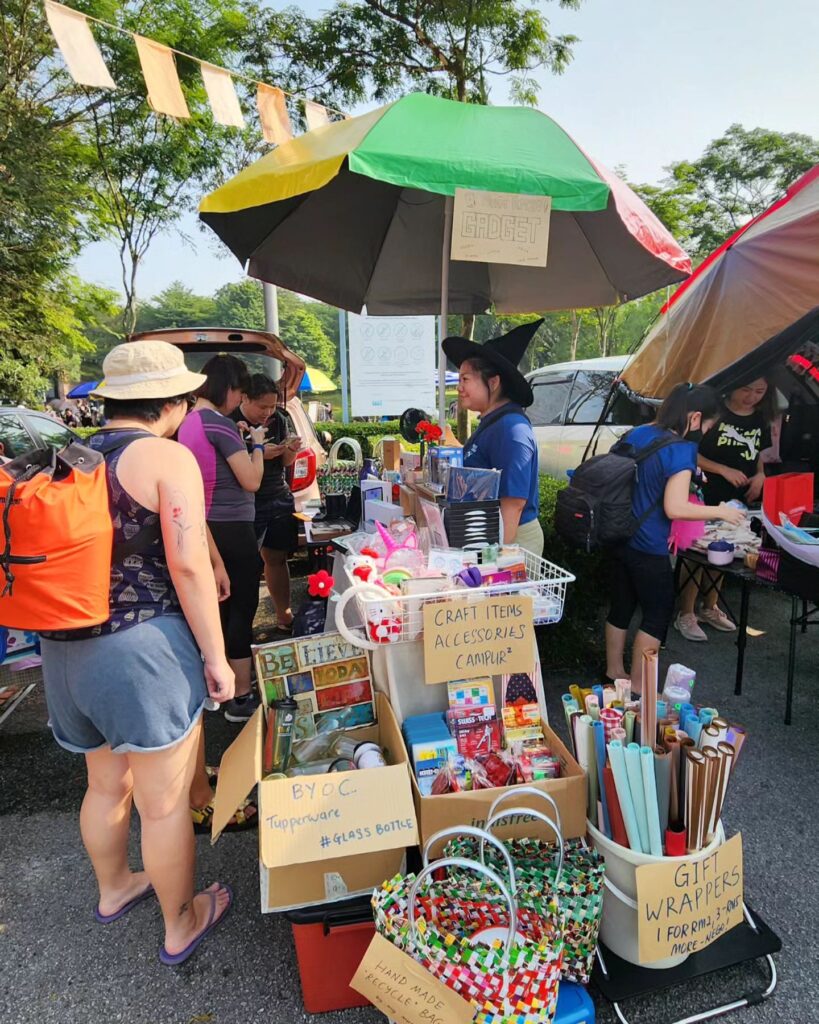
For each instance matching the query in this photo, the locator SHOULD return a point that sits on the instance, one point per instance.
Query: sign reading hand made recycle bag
(682, 907)
(477, 636)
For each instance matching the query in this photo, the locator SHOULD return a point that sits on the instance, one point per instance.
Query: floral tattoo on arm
(179, 518)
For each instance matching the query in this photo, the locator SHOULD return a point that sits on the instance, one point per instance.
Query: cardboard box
(391, 454)
(408, 501)
(323, 837)
(471, 808)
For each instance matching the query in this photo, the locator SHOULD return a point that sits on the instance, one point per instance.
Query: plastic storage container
(331, 940)
(574, 1005)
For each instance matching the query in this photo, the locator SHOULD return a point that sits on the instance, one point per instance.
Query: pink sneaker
(688, 626)
(717, 619)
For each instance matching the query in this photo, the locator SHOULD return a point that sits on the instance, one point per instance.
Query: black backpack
(596, 509)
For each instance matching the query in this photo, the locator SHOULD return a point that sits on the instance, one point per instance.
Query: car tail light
(302, 473)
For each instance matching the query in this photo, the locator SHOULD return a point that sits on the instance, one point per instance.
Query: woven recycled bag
(508, 982)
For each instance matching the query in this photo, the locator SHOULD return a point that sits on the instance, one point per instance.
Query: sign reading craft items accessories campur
(322, 837)
(500, 227)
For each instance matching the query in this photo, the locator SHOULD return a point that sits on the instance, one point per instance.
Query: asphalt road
(58, 965)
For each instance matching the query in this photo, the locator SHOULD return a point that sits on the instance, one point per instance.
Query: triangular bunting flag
(159, 69)
(78, 46)
(273, 114)
(222, 96)
(315, 115)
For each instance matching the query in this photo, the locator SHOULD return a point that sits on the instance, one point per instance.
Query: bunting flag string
(86, 65)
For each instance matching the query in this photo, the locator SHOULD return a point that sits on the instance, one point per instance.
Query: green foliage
(381, 49)
(702, 202)
(240, 305)
(302, 331)
(176, 306)
(577, 640)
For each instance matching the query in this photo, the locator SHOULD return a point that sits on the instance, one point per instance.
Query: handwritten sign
(684, 907)
(478, 636)
(500, 227)
(404, 990)
(321, 817)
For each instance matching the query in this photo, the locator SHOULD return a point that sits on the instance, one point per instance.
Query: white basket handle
(476, 833)
(359, 590)
(541, 817)
(529, 791)
(356, 447)
(469, 865)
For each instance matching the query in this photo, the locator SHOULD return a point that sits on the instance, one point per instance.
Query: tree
(385, 48)
(301, 331)
(150, 168)
(240, 305)
(41, 193)
(176, 306)
(704, 201)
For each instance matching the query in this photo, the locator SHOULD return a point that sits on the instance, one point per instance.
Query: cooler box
(574, 1005)
(331, 940)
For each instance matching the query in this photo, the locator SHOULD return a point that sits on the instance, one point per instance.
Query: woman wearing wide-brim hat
(129, 694)
(491, 385)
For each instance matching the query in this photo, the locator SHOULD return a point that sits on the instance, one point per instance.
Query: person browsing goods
(129, 693)
(641, 573)
(276, 528)
(491, 384)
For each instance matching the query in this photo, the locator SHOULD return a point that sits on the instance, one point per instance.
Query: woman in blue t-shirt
(642, 575)
(491, 384)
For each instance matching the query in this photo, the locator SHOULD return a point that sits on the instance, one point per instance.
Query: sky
(651, 82)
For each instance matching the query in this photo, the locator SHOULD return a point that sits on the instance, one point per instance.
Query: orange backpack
(55, 539)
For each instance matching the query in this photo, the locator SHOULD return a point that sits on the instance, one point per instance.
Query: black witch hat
(504, 353)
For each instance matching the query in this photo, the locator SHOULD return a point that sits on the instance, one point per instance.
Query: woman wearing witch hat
(491, 385)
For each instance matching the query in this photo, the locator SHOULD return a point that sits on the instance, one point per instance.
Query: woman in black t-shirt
(730, 455)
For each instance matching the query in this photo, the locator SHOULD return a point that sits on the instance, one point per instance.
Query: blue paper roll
(655, 841)
(617, 757)
(635, 782)
(600, 751)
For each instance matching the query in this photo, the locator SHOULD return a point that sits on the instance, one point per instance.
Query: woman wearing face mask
(491, 384)
(730, 455)
(642, 576)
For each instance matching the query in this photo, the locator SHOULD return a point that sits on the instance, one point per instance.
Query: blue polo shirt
(652, 476)
(506, 442)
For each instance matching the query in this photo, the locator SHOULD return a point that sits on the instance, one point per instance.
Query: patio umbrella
(316, 381)
(82, 390)
(358, 213)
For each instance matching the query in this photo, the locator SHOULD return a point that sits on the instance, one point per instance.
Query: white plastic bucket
(618, 925)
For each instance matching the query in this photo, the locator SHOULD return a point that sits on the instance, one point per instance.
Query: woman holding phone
(275, 525)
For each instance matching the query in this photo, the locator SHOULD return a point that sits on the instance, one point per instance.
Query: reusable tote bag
(470, 935)
(576, 886)
(337, 476)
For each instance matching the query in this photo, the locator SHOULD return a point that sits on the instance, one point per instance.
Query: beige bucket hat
(146, 369)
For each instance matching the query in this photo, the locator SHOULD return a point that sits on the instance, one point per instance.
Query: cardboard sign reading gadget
(683, 907)
(500, 227)
(404, 990)
(478, 636)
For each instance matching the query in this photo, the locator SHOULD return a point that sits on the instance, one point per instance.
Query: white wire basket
(401, 619)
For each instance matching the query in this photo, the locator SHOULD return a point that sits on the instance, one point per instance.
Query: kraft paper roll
(617, 759)
(655, 841)
(635, 782)
(712, 765)
(709, 737)
(675, 806)
(648, 699)
(695, 798)
(727, 756)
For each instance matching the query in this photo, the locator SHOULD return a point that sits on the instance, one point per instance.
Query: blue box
(574, 1004)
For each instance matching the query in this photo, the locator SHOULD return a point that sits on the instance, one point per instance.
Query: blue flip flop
(174, 959)
(123, 910)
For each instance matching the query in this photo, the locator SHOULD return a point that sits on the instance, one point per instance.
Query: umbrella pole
(449, 203)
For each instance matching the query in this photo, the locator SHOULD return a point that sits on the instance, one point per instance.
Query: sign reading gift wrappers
(477, 636)
(684, 906)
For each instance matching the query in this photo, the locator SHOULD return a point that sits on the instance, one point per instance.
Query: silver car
(569, 400)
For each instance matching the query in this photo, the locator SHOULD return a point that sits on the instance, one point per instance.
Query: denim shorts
(140, 689)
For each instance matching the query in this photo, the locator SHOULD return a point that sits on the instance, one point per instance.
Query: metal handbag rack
(618, 980)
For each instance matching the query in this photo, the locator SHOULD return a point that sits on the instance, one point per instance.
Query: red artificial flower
(320, 584)
(429, 432)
